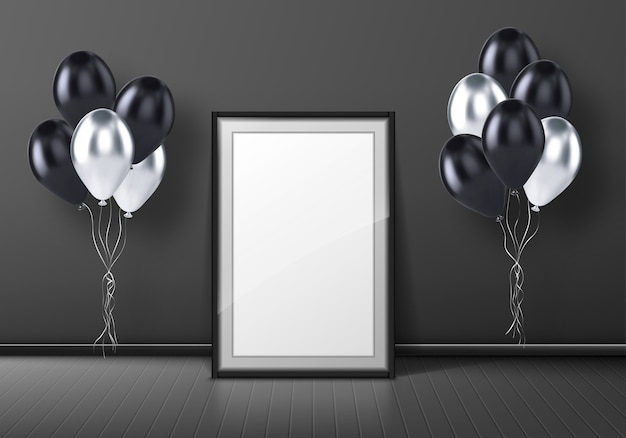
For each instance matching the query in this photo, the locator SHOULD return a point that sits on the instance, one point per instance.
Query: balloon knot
(128, 215)
(81, 207)
(102, 203)
(535, 208)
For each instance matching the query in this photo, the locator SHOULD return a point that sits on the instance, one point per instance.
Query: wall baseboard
(121, 350)
(510, 350)
(400, 349)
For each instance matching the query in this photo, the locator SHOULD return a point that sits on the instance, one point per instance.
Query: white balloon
(471, 101)
(102, 152)
(559, 163)
(141, 182)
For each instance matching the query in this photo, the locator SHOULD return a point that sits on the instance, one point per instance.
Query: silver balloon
(471, 101)
(559, 163)
(141, 182)
(102, 152)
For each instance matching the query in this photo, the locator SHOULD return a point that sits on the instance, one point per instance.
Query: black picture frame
(388, 370)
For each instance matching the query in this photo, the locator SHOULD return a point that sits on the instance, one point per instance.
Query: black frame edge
(390, 115)
(391, 271)
(214, 244)
(322, 374)
(304, 114)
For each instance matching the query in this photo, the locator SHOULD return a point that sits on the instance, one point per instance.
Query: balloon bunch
(111, 146)
(510, 132)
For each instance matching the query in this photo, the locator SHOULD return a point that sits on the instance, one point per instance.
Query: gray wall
(451, 271)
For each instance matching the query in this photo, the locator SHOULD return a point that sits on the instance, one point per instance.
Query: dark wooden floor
(440, 397)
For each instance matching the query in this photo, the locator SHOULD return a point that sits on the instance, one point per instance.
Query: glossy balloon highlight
(141, 182)
(559, 162)
(102, 152)
(471, 101)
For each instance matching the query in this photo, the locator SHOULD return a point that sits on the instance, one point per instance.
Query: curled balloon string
(104, 249)
(534, 233)
(108, 284)
(122, 227)
(108, 256)
(518, 293)
(515, 194)
(93, 234)
(516, 273)
(515, 282)
(516, 298)
(508, 221)
(108, 304)
(108, 229)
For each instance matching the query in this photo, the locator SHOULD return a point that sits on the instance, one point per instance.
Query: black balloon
(513, 141)
(505, 53)
(545, 87)
(83, 82)
(466, 175)
(50, 161)
(147, 106)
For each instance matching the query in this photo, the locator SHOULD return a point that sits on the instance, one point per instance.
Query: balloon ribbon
(109, 254)
(516, 273)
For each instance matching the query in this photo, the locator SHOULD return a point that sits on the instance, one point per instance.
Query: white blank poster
(303, 244)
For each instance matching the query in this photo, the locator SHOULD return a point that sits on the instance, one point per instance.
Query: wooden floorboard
(301, 424)
(387, 403)
(576, 424)
(215, 407)
(616, 365)
(24, 397)
(430, 396)
(189, 415)
(482, 419)
(505, 419)
(58, 410)
(576, 397)
(456, 414)
(15, 387)
(149, 408)
(323, 408)
(8, 372)
(347, 423)
(280, 408)
(233, 419)
(178, 398)
(526, 415)
(436, 416)
(121, 403)
(255, 421)
(37, 408)
(599, 377)
(87, 406)
(552, 422)
(411, 410)
(370, 424)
